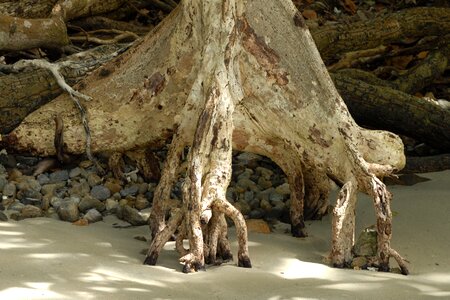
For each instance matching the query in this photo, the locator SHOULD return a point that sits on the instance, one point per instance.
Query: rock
(275, 198)
(9, 190)
(249, 196)
(131, 215)
(247, 173)
(265, 205)
(274, 214)
(366, 245)
(15, 215)
(116, 196)
(58, 176)
(129, 191)
(89, 202)
(111, 205)
(93, 179)
(258, 225)
(141, 202)
(143, 188)
(56, 202)
(254, 204)
(231, 194)
(3, 217)
(257, 213)
(283, 189)
(3, 181)
(29, 187)
(264, 183)
(85, 164)
(2, 170)
(43, 179)
(359, 262)
(32, 198)
(243, 207)
(17, 206)
(14, 175)
(248, 158)
(31, 211)
(113, 185)
(264, 172)
(75, 172)
(100, 192)
(93, 216)
(27, 160)
(247, 184)
(68, 211)
(51, 188)
(80, 188)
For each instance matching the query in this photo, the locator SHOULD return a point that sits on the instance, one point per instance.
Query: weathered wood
(335, 39)
(389, 109)
(24, 92)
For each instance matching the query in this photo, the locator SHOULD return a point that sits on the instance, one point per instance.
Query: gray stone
(17, 206)
(129, 191)
(264, 195)
(274, 213)
(283, 189)
(246, 174)
(8, 160)
(111, 205)
(249, 196)
(93, 179)
(131, 215)
(231, 194)
(31, 211)
(100, 192)
(116, 196)
(256, 214)
(247, 157)
(81, 188)
(89, 202)
(274, 198)
(9, 190)
(56, 201)
(366, 244)
(58, 176)
(43, 179)
(93, 216)
(27, 160)
(68, 211)
(265, 205)
(3, 181)
(254, 204)
(75, 172)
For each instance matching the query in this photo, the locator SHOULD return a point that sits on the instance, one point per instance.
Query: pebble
(31, 211)
(93, 179)
(141, 202)
(88, 202)
(68, 211)
(75, 172)
(43, 179)
(258, 225)
(93, 216)
(243, 207)
(283, 189)
(2, 170)
(52, 187)
(100, 192)
(9, 190)
(17, 206)
(129, 191)
(80, 188)
(3, 217)
(130, 215)
(257, 213)
(113, 185)
(58, 176)
(111, 205)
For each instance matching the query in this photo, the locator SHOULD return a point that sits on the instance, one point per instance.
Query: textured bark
(335, 39)
(216, 74)
(26, 91)
(402, 113)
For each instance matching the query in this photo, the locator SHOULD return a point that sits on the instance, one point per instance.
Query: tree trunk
(216, 75)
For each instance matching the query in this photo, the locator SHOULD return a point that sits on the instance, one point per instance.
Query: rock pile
(258, 189)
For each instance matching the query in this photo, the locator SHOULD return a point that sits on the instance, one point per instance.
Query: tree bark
(216, 75)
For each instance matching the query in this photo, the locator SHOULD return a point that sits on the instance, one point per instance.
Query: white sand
(48, 259)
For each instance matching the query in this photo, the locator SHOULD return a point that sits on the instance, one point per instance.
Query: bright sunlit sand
(49, 259)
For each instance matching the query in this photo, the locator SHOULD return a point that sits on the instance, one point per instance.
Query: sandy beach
(44, 258)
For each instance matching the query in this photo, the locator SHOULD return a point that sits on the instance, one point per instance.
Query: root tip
(244, 262)
(151, 259)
